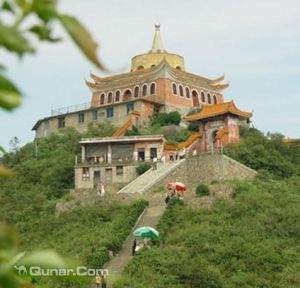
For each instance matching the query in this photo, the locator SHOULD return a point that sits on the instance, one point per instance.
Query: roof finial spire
(157, 46)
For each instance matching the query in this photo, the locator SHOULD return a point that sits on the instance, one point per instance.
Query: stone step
(149, 178)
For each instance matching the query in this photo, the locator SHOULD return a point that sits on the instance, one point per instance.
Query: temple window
(129, 107)
(195, 98)
(152, 88)
(141, 67)
(208, 98)
(215, 99)
(102, 98)
(94, 115)
(61, 122)
(81, 118)
(110, 112)
(180, 90)
(136, 91)
(127, 95)
(202, 97)
(187, 92)
(144, 91)
(117, 96)
(110, 96)
(174, 88)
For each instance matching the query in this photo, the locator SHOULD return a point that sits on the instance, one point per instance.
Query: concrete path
(150, 217)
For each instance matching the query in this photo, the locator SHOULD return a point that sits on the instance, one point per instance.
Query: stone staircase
(147, 180)
(150, 217)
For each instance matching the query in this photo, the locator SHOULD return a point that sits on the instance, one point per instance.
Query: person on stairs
(133, 248)
(98, 280)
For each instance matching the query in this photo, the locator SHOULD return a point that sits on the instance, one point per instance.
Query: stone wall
(205, 168)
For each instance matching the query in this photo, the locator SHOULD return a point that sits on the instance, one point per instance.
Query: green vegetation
(44, 174)
(175, 134)
(164, 119)
(133, 132)
(252, 241)
(194, 127)
(266, 153)
(142, 168)
(160, 189)
(202, 190)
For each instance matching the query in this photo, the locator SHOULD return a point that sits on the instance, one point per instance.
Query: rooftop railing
(87, 105)
(70, 109)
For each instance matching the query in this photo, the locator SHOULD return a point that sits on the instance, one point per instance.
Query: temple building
(157, 82)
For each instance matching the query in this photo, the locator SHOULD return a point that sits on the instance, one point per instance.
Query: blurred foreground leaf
(43, 33)
(10, 96)
(82, 38)
(45, 9)
(43, 259)
(13, 40)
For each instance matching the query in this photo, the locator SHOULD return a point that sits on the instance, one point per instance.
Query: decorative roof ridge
(101, 80)
(216, 109)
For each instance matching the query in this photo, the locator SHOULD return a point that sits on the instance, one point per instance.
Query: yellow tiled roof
(218, 109)
(185, 144)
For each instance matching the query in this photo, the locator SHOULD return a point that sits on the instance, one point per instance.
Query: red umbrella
(180, 186)
(176, 185)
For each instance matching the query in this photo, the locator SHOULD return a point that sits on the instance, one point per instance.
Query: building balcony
(104, 161)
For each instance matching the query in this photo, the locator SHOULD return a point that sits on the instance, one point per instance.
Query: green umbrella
(146, 232)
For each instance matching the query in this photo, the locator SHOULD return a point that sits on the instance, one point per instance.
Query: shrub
(133, 132)
(142, 168)
(194, 127)
(97, 258)
(202, 190)
(174, 118)
(164, 119)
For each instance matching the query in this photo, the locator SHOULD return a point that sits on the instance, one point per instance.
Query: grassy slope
(252, 241)
(28, 202)
(249, 241)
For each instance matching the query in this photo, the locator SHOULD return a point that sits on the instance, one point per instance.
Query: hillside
(28, 201)
(250, 240)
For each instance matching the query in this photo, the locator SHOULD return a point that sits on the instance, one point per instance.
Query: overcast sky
(254, 43)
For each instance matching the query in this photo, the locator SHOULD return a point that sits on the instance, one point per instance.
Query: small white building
(113, 160)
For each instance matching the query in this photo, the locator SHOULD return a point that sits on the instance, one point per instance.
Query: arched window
(174, 88)
(102, 99)
(109, 97)
(208, 98)
(141, 67)
(215, 99)
(136, 91)
(187, 92)
(195, 98)
(178, 67)
(202, 97)
(153, 65)
(180, 90)
(152, 88)
(117, 96)
(144, 91)
(127, 95)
